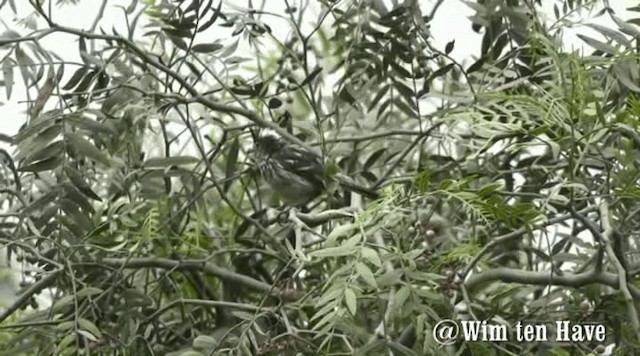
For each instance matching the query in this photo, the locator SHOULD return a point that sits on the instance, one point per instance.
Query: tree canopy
(508, 181)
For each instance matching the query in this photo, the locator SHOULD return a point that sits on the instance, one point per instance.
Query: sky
(451, 22)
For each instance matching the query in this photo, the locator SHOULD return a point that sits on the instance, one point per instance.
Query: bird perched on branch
(294, 172)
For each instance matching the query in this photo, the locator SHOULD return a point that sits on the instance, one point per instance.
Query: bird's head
(268, 141)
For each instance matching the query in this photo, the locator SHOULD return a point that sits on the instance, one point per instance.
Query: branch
(514, 234)
(575, 280)
(605, 218)
(208, 303)
(25, 296)
(207, 267)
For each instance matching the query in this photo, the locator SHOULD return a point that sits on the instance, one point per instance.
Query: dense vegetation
(508, 181)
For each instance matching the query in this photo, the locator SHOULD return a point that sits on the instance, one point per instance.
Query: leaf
(88, 291)
(232, 164)
(328, 298)
(345, 96)
(311, 76)
(90, 327)
(162, 162)
(625, 27)
(207, 47)
(83, 49)
(75, 78)
(190, 353)
(25, 63)
(204, 343)
(331, 252)
(623, 74)
(600, 46)
(91, 125)
(351, 301)
(86, 148)
(449, 47)
(67, 340)
(74, 195)
(404, 90)
(351, 242)
(365, 272)
(213, 18)
(338, 231)
(43, 96)
(178, 42)
(476, 66)
(378, 96)
(373, 158)
(371, 255)
(559, 246)
(615, 35)
(441, 71)
(54, 149)
(7, 72)
(129, 10)
(401, 297)
(45, 165)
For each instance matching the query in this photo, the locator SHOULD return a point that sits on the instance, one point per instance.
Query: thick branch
(510, 275)
(207, 267)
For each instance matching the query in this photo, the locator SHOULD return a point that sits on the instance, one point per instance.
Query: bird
(296, 173)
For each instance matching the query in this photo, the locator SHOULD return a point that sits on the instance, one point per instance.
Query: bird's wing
(303, 163)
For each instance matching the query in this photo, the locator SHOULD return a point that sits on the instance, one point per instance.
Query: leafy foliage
(509, 186)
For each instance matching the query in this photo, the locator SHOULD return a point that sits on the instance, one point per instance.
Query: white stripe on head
(266, 132)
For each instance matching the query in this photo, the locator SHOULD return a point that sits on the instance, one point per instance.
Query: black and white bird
(294, 172)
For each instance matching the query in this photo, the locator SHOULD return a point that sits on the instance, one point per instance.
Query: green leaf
(613, 34)
(351, 301)
(191, 353)
(331, 252)
(378, 96)
(162, 162)
(204, 343)
(54, 149)
(88, 291)
(45, 165)
(624, 75)
(401, 297)
(339, 231)
(311, 76)
(86, 148)
(66, 341)
(371, 255)
(600, 46)
(351, 242)
(76, 178)
(213, 18)
(90, 327)
(328, 297)
(7, 72)
(404, 90)
(373, 158)
(441, 71)
(449, 47)
(207, 47)
(366, 274)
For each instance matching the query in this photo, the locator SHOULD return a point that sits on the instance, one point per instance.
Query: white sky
(450, 23)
